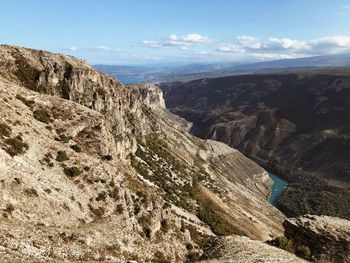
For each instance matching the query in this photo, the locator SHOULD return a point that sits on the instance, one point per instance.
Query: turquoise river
(277, 188)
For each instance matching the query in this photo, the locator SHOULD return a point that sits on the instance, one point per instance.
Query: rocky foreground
(93, 170)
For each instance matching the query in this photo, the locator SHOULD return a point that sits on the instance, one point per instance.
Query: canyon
(95, 170)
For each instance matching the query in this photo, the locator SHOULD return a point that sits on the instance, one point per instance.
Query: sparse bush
(62, 156)
(15, 146)
(98, 212)
(303, 252)
(31, 192)
(166, 205)
(76, 148)
(72, 171)
(120, 209)
(192, 256)
(5, 130)
(107, 157)
(189, 246)
(165, 226)
(283, 243)
(42, 115)
(101, 197)
(9, 208)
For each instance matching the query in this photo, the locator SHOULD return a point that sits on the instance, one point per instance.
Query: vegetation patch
(72, 171)
(213, 215)
(76, 148)
(16, 146)
(42, 115)
(62, 156)
(107, 157)
(5, 130)
(292, 247)
(313, 195)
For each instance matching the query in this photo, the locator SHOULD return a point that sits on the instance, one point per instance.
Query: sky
(178, 31)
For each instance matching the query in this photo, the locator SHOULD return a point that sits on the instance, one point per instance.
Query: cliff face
(282, 120)
(91, 169)
(296, 125)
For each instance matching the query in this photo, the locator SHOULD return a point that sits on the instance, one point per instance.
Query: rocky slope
(238, 249)
(91, 170)
(328, 238)
(294, 124)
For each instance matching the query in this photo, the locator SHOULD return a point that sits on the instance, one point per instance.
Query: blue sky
(163, 31)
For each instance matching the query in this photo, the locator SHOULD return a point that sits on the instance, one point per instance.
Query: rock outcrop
(93, 170)
(327, 237)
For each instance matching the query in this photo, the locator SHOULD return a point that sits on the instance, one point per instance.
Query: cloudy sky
(181, 31)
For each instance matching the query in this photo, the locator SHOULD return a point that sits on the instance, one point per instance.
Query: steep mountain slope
(295, 124)
(91, 170)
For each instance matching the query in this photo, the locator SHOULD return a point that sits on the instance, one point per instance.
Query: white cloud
(274, 47)
(182, 42)
(72, 48)
(189, 38)
(250, 42)
(230, 48)
(151, 43)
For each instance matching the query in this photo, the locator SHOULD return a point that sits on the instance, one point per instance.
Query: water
(277, 188)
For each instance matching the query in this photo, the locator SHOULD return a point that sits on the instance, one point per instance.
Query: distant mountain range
(157, 73)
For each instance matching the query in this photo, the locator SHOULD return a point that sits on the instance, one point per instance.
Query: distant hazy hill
(156, 73)
(342, 60)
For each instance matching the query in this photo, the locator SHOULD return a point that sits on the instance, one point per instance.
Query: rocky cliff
(295, 124)
(93, 170)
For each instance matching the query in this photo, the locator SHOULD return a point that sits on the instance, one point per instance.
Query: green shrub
(283, 243)
(303, 252)
(72, 171)
(9, 208)
(165, 226)
(101, 197)
(5, 130)
(62, 156)
(98, 212)
(42, 115)
(119, 209)
(76, 148)
(16, 146)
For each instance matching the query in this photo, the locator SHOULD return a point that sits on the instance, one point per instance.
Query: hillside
(296, 125)
(91, 169)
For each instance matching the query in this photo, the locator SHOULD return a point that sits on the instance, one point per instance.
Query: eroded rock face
(327, 237)
(91, 170)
